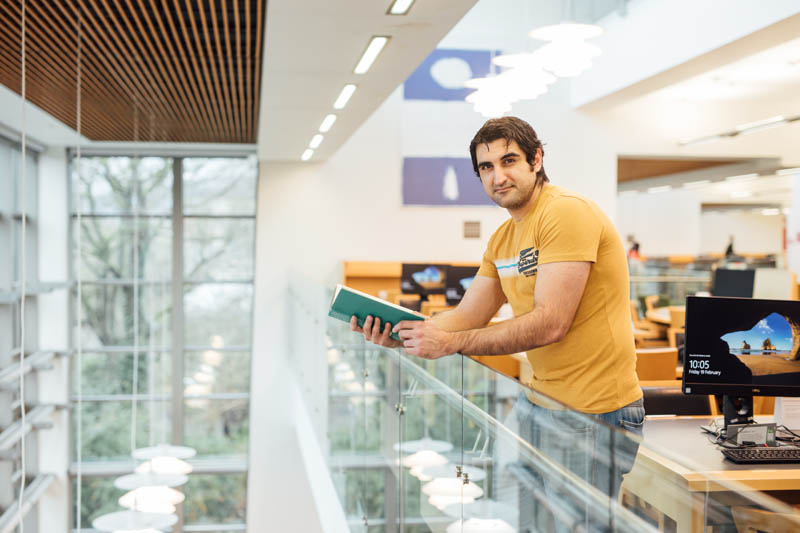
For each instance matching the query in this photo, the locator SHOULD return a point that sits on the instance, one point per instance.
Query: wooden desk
(678, 490)
(660, 315)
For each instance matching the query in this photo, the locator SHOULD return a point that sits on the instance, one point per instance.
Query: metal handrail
(11, 518)
(35, 361)
(13, 433)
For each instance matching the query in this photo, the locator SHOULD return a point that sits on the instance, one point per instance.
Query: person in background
(729, 253)
(561, 265)
(633, 248)
(633, 253)
(634, 265)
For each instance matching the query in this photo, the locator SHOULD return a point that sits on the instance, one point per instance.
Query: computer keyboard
(762, 455)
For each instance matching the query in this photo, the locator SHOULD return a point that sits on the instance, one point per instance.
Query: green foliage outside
(216, 316)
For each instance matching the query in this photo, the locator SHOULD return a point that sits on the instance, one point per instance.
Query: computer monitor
(458, 280)
(772, 283)
(731, 282)
(741, 347)
(423, 279)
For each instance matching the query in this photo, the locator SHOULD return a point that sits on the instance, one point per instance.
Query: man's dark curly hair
(510, 129)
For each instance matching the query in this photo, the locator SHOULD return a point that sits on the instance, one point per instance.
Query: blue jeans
(587, 446)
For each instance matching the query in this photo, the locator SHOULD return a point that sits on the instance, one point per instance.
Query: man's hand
(372, 332)
(425, 339)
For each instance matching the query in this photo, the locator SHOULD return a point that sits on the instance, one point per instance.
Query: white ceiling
(775, 190)
(311, 48)
(758, 84)
(773, 73)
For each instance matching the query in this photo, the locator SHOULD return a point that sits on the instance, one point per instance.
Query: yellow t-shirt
(593, 368)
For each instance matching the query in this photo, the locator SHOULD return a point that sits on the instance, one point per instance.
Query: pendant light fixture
(124, 521)
(564, 54)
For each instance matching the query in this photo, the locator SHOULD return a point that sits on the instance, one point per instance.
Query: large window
(166, 265)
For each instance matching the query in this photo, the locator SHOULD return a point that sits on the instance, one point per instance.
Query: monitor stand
(737, 410)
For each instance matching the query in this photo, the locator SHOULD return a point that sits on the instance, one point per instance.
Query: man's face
(506, 176)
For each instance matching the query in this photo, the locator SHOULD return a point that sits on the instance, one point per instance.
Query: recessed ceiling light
(752, 127)
(699, 140)
(741, 194)
(344, 96)
(316, 140)
(742, 177)
(307, 154)
(696, 184)
(663, 188)
(370, 54)
(771, 212)
(400, 7)
(327, 122)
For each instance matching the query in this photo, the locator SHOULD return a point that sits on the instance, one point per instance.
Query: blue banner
(441, 181)
(443, 73)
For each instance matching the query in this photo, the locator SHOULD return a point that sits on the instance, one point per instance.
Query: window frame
(177, 350)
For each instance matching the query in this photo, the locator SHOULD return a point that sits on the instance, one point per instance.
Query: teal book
(348, 302)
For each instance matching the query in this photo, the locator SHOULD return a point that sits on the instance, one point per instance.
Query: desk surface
(682, 491)
(682, 438)
(661, 314)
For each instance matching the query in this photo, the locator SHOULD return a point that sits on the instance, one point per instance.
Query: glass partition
(450, 446)
(672, 285)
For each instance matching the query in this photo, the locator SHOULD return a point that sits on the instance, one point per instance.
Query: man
(561, 265)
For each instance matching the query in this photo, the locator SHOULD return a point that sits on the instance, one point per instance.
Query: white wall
(663, 224)
(753, 233)
(653, 37)
(793, 229)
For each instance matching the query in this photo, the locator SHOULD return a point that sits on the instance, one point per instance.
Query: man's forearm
(454, 320)
(519, 334)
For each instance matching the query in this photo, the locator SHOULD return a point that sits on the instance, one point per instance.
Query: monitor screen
(730, 282)
(742, 346)
(423, 279)
(458, 280)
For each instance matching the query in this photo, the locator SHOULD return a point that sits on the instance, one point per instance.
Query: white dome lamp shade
(485, 509)
(133, 521)
(155, 507)
(567, 53)
(137, 481)
(428, 473)
(480, 525)
(567, 58)
(152, 499)
(423, 458)
(164, 465)
(451, 486)
(163, 450)
(413, 446)
(447, 491)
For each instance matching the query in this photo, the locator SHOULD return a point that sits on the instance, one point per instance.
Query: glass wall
(450, 445)
(18, 197)
(164, 249)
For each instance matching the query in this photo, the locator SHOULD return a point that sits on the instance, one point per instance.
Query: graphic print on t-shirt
(528, 262)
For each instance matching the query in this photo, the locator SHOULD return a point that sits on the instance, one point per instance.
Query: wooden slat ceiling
(150, 70)
(631, 168)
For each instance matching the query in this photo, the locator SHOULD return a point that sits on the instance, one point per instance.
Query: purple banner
(443, 73)
(441, 181)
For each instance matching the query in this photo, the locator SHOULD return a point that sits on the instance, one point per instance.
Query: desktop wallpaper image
(770, 347)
